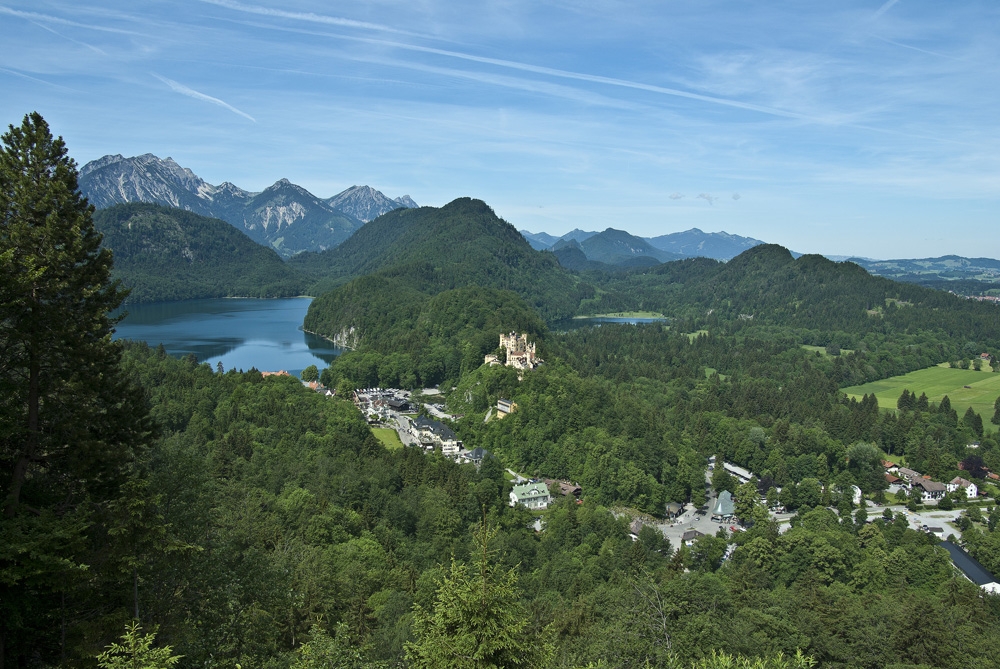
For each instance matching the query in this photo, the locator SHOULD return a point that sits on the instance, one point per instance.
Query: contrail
(883, 9)
(32, 16)
(41, 81)
(191, 93)
(308, 16)
(593, 78)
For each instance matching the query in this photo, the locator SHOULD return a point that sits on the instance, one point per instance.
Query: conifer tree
(477, 621)
(68, 417)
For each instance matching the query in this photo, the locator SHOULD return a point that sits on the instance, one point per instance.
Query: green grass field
(388, 437)
(984, 387)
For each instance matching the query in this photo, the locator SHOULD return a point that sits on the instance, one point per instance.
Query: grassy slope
(388, 437)
(937, 382)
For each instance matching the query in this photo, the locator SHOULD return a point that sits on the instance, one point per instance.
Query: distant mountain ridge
(674, 246)
(284, 216)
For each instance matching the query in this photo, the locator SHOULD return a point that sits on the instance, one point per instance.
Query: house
(691, 536)
(564, 488)
(929, 490)
(907, 475)
(724, 509)
(635, 527)
(958, 482)
(477, 455)
(892, 480)
(505, 407)
(534, 495)
(432, 433)
(971, 568)
(890, 467)
(674, 509)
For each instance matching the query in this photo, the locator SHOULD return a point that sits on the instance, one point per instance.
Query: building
(435, 434)
(970, 488)
(929, 490)
(971, 568)
(477, 455)
(691, 536)
(744, 475)
(532, 495)
(505, 407)
(724, 509)
(520, 352)
(674, 509)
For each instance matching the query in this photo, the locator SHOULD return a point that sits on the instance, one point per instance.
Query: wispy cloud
(70, 39)
(542, 87)
(36, 79)
(191, 93)
(883, 9)
(309, 17)
(559, 73)
(35, 17)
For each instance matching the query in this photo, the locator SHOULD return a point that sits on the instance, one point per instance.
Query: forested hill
(163, 253)
(433, 249)
(765, 284)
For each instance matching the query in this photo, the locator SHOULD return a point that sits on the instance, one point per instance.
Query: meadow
(964, 387)
(388, 437)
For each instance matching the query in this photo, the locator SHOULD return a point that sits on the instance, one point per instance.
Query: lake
(567, 324)
(241, 333)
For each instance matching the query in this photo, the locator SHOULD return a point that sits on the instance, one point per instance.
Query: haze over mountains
(284, 216)
(616, 247)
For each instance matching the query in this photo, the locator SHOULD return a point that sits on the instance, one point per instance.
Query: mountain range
(284, 216)
(617, 247)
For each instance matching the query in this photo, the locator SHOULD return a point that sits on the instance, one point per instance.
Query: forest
(158, 512)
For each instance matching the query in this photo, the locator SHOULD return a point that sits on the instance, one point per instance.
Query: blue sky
(851, 127)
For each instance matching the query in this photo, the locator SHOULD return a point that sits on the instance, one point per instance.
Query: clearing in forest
(964, 387)
(390, 439)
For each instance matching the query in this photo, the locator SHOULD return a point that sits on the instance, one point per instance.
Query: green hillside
(433, 249)
(171, 254)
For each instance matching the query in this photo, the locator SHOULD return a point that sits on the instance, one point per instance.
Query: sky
(866, 128)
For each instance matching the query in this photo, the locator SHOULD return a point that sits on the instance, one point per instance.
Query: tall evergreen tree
(477, 621)
(68, 417)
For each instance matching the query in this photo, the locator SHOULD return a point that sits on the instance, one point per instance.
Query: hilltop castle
(520, 352)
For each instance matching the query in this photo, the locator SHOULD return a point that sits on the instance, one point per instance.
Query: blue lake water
(240, 333)
(568, 324)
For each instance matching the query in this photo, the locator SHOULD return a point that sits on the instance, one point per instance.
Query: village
(418, 423)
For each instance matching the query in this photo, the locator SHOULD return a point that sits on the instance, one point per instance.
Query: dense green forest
(202, 518)
(163, 253)
(433, 249)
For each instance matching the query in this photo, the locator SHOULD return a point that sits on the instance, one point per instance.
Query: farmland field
(984, 387)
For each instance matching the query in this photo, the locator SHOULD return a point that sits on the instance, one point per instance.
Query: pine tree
(477, 621)
(68, 417)
(996, 412)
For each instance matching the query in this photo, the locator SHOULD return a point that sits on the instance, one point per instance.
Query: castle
(520, 352)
